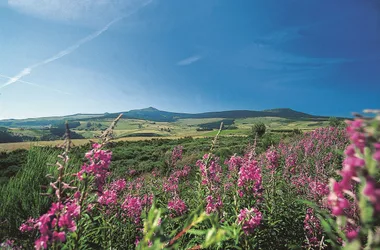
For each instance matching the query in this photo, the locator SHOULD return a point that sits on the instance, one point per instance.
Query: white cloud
(26, 71)
(76, 10)
(189, 60)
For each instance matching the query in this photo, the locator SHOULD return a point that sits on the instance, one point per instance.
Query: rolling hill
(153, 114)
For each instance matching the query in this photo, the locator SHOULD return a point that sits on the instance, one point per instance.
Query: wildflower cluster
(10, 244)
(171, 184)
(211, 174)
(243, 195)
(272, 158)
(250, 179)
(176, 154)
(359, 185)
(54, 225)
(178, 206)
(313, 229)
(98, 167)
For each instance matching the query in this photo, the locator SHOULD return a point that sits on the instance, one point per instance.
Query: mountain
(153, 114)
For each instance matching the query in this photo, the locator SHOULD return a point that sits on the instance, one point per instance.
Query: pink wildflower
(133, 207)
(108, 197)
(59, 236)
(176, 154)
(249, 219)
(312, 227)
(250, 178)
(213, 205)
(178, 206)
(272, 158)
(42, 242)
(98, 165)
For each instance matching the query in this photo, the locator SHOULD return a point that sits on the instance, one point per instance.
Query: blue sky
(80, 56)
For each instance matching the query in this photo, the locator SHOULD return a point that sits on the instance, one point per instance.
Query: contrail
(62, 53)
(68, 50)
(37, 85)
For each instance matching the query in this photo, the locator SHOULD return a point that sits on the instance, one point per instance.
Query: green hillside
(151, 122)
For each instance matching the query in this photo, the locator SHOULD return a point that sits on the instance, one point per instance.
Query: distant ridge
(156, 115)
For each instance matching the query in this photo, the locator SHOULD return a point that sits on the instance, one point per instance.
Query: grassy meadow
(239, 187)
(134, 129)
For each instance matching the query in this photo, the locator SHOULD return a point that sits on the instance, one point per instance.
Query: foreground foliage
(264, 199)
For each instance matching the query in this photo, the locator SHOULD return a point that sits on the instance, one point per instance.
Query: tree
(334, 122)
(258, 129)
(297, 131)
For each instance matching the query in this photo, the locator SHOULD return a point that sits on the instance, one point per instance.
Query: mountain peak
(150, 109)
(279, 110)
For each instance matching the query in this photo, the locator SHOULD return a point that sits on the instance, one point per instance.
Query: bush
(335, 122)
(258, 130)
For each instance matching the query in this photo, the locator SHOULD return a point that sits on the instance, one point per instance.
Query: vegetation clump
(258, 129)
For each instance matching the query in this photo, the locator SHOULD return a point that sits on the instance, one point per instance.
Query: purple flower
(249, 219)
(178, 206)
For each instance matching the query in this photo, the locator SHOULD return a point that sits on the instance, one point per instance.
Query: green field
(134, 129)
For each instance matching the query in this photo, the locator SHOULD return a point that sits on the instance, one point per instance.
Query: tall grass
(21, 197)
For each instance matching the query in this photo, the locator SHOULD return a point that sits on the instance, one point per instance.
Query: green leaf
(197, 231)
(355, 245)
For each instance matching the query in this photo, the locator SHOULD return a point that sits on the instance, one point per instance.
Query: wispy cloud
(267, 52)
(283, 35)
(189, 60)
(26, 71)
(267, 57)
(74, 10)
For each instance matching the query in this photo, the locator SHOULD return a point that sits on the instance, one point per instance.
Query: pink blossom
(77, 195)
(211, 171)
(108, 197)
(234, 163)
(98, 165)
(250, 178)
(376, 155)
(178, 206)
(66, 221)
(318, 188)
(9, 244)
(336, 199)
(118, 185)
(59, 236)
(28, 225)
(291, 161)
(372, 191)
(249, 219)
(213, 205)
(352, 234)
(176, 154)
(272, 158)
(171, 184)
(42, 242)
(312, 227)
(133, 207)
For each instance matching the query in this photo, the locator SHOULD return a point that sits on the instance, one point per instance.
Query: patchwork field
(134, 129)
